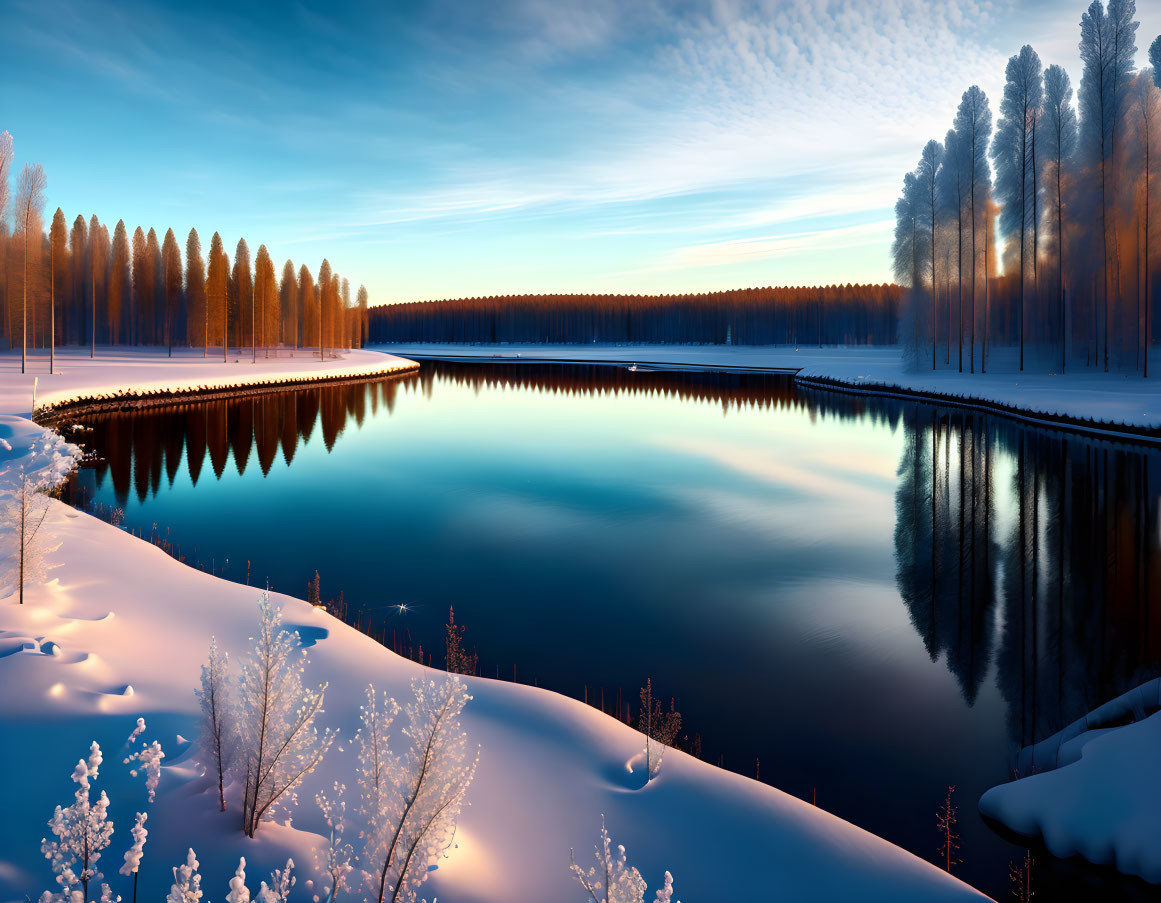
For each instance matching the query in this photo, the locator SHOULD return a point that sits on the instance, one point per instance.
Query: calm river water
(859, 601)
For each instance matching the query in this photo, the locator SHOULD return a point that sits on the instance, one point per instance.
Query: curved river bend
(861, 601)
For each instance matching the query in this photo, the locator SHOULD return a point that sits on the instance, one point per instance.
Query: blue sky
(458, 147)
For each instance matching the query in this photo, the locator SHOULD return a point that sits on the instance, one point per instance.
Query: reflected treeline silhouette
(944, 538)
(136, 449)
(729, 390)
(1072, 570)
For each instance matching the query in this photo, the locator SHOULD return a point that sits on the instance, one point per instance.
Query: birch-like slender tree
(1015, 156)
(171, 276)
(1106, 49)
(953, 176)
(5, 170)
(927, 176)
(29, 207)
(195, 292)
(57, 249)
(278, 742)
(973, 124)
(416, 820)
(216, 291)
(1059, 133)
(1147, 106)
(217, 742)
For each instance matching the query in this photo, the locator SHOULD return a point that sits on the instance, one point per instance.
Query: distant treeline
(826, 315)
(83, 285)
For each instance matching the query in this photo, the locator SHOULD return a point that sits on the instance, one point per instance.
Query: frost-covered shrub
(336, 858)
(660, 728)
(186, 887)
(217, 743)
(278, 743)
(420, 799)
(83, 832)
(613, 880)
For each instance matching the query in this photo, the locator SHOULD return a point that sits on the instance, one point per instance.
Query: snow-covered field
(1113, 399)
(120, 630)
(117, 371)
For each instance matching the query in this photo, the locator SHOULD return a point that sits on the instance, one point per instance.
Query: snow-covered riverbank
(1084, 399)
(120, 630)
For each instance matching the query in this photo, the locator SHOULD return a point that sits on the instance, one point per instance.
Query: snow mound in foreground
(1100, 801)
(549, 768)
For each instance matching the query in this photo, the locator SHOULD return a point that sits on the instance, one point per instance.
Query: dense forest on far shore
(823, 315)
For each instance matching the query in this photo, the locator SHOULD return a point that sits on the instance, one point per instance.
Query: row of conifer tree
(821, 315)
(1067, 204)
(79, 284)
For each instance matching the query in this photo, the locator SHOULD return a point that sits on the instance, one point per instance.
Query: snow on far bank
(116, 371)
(1124, 399)
(1100, 797)
(121, 630)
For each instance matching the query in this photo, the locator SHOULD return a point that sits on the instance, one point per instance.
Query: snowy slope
(1107, 398)
(1100, 797)
(121, 630)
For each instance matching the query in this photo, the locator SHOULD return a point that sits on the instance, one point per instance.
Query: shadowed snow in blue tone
(454, 148)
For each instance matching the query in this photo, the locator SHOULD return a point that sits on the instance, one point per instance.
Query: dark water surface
(861, 600)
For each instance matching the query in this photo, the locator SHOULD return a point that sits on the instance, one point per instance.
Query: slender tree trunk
(1105, 247)
(1023, 226)
(987, 292)
(1035, 222)
(93, 266)
(168, 338)
(51, 305)
(972, 353)
(1148, 284)
(934, 293)
(1060, 260)
(23, 523)
(959, 276)
(24, 327)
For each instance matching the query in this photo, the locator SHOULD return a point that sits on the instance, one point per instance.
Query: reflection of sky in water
(745, 558)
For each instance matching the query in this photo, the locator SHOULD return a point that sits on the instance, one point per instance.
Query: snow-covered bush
(186, 887)
(613, 880)
(659, 727)
(149, 756)
(217, 743)
(238, 891)
(335, 860)
(278, 743)
(281, 881)
(424, 792)
(83, 831)
(136, 851)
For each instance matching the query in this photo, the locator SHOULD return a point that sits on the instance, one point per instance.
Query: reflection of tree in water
(1081, 569)
(945, 553)
(139, 447)
(1076, 569)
